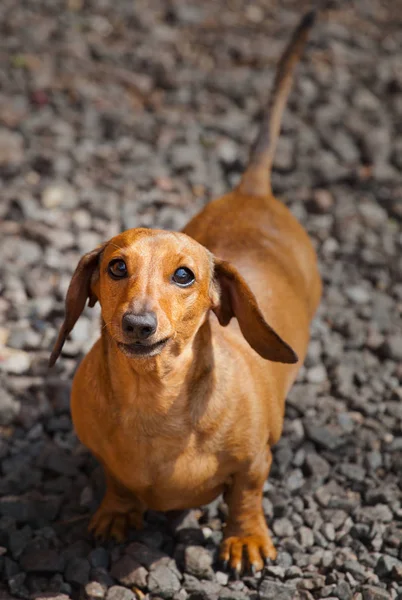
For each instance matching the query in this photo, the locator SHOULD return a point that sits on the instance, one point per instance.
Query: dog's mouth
(142, 348)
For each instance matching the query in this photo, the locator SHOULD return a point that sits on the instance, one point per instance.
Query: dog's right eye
(117, 269)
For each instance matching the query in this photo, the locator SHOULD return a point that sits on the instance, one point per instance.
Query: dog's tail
(256, 180)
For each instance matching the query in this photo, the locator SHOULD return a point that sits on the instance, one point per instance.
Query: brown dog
(178, 405)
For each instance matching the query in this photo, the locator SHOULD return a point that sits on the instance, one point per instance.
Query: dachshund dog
(203, 333)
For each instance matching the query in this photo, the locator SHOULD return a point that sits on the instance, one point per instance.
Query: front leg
(246, 533)
(118, 511)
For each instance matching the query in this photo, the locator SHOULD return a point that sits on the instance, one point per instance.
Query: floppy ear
(237, 300)
(78, 292)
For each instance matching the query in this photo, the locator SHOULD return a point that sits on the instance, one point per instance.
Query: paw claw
(246, 553)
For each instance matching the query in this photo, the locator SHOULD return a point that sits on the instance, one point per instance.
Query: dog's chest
(165, 472)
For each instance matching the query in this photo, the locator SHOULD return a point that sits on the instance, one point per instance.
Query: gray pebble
(163, 581)
(306, 537)
(118, 592)
(94, 591)
(317, 374)
(198, 562)
(43, 561)
(99, 557)
(77, 571)
(357, 294)
(370, 592)
(270, 590)
(393, 347)
(129, 572)
(283, 527)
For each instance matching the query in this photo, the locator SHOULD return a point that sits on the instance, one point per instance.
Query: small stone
(386, 565)
(99, 557)
(284, 559)
(370, 592)
(180, 595)
(16, 585)
(14, 361)
(306, 537)
(227, 593)
(60, 462)
(355, 569)
(295, 480)
(204, 590)
(317, 466)
(9, 408)
(94, 591)
(322, 201)
(59, 194)
(357, 294)
(227, 152)
(221, 577)
(373, 460)
(100, 575)
(198, 562)
(42, 561)
(129, 572)
(147, 557)
(62, 595)
(163, 581)
(283, 527)
(343, 591)
(347, 424)
(323, 436)
(270, 590)
(17, 540)
(82, 219)
(312, 583)
(184, 157)
(317, 374)
(77, 571)
(393, 347)
(284, 155)
(11, 148)
(353, 472)
(117, 592)
(373, 214)
(275, 571)
(314, 352)
(378, 513)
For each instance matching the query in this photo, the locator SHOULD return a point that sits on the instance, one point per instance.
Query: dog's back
(257, 234)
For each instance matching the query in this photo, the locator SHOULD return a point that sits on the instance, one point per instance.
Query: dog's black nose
(139, 327)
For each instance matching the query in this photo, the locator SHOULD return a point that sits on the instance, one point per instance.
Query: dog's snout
(141, 326)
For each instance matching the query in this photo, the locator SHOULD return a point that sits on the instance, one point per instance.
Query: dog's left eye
(183, 277)
(117, 269)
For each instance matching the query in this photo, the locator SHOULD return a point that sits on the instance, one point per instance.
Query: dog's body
(193, 414)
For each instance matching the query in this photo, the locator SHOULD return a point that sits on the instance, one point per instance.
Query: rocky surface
(120, 114)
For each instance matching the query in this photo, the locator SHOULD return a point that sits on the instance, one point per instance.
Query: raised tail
(256, 179)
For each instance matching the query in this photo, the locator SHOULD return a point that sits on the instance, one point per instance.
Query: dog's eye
(117, 269)
(183, 277)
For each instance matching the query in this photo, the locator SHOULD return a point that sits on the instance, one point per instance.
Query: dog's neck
(157, 383)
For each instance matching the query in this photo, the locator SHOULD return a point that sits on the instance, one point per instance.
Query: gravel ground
(121, 114)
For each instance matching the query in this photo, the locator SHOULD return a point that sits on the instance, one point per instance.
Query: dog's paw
(114, 525)
(246, 553)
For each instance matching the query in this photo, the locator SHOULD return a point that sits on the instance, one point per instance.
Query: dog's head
(156, 289)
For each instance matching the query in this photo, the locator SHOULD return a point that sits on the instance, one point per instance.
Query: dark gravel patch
(122, 114)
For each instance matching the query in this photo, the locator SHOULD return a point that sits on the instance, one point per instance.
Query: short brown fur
(198, 416)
